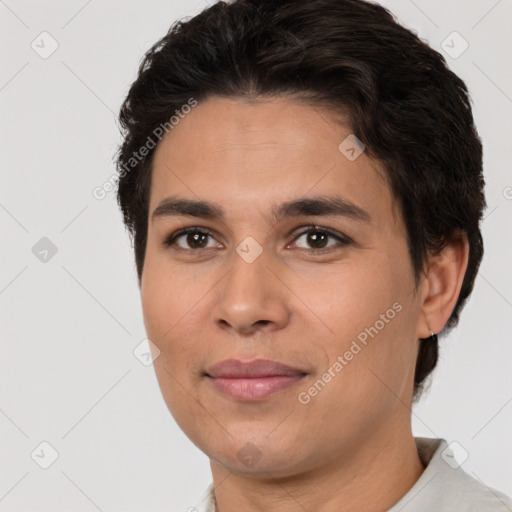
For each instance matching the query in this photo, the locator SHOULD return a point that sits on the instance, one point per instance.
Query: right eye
(191, 238)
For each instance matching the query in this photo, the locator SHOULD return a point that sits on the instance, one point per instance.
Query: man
(303, 183)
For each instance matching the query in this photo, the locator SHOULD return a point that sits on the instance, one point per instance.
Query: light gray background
(69, 325)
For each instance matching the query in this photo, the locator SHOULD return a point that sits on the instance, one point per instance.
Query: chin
(255, 453)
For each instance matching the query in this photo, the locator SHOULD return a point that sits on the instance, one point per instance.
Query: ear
(441, 285)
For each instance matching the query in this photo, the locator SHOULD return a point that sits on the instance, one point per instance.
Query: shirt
(443, 486)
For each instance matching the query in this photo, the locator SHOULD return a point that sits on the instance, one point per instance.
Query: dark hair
(412, 113)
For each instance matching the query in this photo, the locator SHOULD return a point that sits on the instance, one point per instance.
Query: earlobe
(442, 285)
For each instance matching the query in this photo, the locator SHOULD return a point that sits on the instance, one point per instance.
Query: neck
(377, 475)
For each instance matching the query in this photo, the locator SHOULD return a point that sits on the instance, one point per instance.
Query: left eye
(318, 239)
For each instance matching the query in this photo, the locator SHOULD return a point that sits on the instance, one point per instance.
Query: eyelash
(343, 240)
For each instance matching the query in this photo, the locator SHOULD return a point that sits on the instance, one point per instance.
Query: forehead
(219, 124)
(240, 152)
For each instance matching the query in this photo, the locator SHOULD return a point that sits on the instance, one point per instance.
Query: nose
(251, 297)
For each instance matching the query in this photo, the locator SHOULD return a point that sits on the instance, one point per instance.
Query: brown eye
(195, 240)
(317, 239)
(190, 238)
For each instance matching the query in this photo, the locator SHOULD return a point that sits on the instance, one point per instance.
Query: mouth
(253, 380)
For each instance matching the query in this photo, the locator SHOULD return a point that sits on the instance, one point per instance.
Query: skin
(351, 447)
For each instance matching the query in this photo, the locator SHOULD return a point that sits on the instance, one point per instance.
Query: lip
(252, 380)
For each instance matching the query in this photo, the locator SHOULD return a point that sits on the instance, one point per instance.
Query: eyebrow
(311, 206)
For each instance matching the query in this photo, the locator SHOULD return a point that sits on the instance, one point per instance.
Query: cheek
(158, 309)
(370, 382)
(347, 297)
(168, 298)
(369, 312)
(167, 306)
(171, 305)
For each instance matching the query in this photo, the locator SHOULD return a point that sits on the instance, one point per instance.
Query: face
(298, 258)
